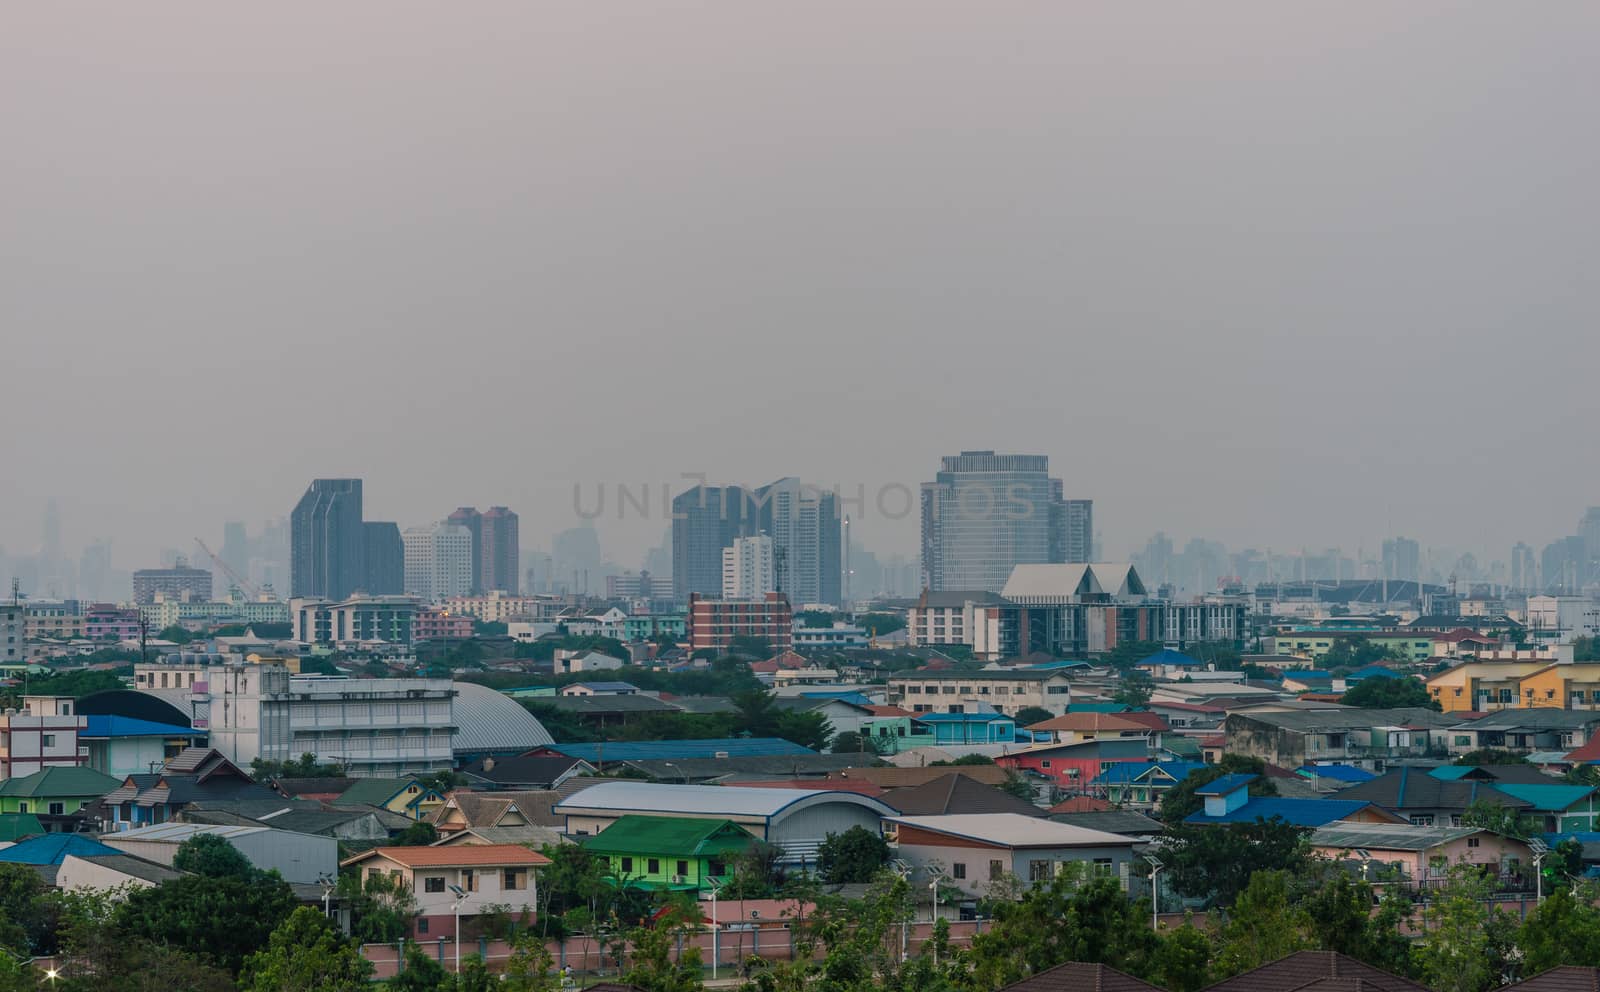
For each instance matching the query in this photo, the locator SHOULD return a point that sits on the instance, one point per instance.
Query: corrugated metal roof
(177, 833)
(673, 750)
(487, 720)
(1388, 836)
(1013, 830)
(702, 800)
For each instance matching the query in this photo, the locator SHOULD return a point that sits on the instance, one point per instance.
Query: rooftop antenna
(16, 591)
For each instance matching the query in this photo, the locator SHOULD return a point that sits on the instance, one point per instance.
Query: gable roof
(1338, 773)
(1092, 722)
(455, 856)
(16, 826)
(1168, 658)
(670, 750)
(1566, 978)
(1075, 976)
(1388, 836)
(895, 777)
(1306, 968)
(1298, 812)
(100, 726)
(52, 849)
(1552, 798)
(1112, 821)
(713, 800)
(1124, 772)
(957, 794)
(1011, 830)
(670, 834)
(60, 780)
(1226, 784)
(1411, 788)
(522, 770)
(1495, 774)
(1080, 804)
(329, 786)
(379, 791)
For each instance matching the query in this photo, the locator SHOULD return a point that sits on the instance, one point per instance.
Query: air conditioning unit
(721, 754)
(680, 880)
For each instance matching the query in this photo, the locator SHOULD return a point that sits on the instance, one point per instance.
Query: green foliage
(1030, 715)
(23, 919)
(418, 834)
(1500, 819)
(756, 873)
(1069, 919)
(1563, 930)
(1491, 756)
(530, 967)
(747, 646)
(1585, 649)
(1183, 961)
(489, 628)
(1222, 654)
(963, 761)
(218, 920)
(879, 624)
(1380, 693)
(75, 684)
(1129, 653)
(1263, 925)
(857, 855)
(306, 952)
(1216, 861)
(314, 665)
(652, 966)
(213, 856)
(1468, 943)
(1180, 800)
(1358, 652)
(851, 742)
(421, 972)
(1017, 785)
(1134, 689)
(381, 907)
(176, 634)
(815, 618)
(305, 766)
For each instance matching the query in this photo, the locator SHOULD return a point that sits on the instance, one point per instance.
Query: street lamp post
(716, 933)
(1155, 890)
(903, 869)
(1540, 849)
(455, 907)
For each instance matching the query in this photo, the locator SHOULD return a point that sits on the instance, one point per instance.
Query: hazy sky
(1280, 274)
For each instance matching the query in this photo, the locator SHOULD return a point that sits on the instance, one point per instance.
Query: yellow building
(1485, 686)
(1316, 643)
(1573, 687)
(292, 664)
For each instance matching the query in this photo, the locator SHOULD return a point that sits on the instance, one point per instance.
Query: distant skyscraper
(705, 520)
(438, 561)
(1524, 569)
(803, 522)
(472, 520)
(1071, 527)
(747, 569)
(986, 513)
(385, 558)
(327, 541)
(498, 552)
(1402, 559)
(236, 547)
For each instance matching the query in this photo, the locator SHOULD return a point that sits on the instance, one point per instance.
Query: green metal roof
(692, 836)
(1547, 798)
(16, 826)
(64, 782)
(377, 791)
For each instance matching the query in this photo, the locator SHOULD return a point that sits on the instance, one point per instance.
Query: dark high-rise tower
(385, 558)
(496, 555)
(705, 520)
(472, 520)
(327, 543)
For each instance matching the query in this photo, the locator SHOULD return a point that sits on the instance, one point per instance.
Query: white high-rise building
(438, 561)
(747, 568)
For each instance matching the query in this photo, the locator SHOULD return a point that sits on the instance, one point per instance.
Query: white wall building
(43, 734)
(1562, 619)
(13, 633)
(438, 561)
(302, 858)
(747, 568)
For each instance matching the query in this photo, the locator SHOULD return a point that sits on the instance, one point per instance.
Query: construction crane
(238, 580)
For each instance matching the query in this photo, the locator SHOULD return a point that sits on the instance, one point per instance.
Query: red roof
(1152, 720)
(888, 711)
(1091, 722)
(1215, 740)
(1589, 752)
(1081, 804)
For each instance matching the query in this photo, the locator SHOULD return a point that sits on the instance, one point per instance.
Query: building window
(1038, 871)
(513, 879)
(683, 869)
(433, 883)
(469, 880)
(1422, 820)
(1472, 842)
(996, 870)
(653, 866)
(1103, 868)
(627, 865)
(1044, 764)
(422, 924)
(58, 809)
(959, 870)
(49, 740)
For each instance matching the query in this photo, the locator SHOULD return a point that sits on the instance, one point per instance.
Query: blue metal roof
(1450, 773)
(1370, 671)
(1299, 812)
(843, 695)
(1547, 798)
(737, 747)
(1339, 773)
(1169, 657)
(1225, 784)
(1051, 666)
(1124, 772)
(52, 849)
(126, 726)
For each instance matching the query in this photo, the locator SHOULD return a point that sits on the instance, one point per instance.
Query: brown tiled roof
(1081, 804)
(1076, 977)
(1090, 722)
(954, 793)
(456, 856)
(1316, 971)
(891, 777)
(857, 786)
(1568, 978)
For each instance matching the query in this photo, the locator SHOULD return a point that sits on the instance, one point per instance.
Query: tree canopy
(1380, 693)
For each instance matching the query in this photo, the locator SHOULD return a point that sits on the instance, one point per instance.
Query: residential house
(1126, 822)
(570, 662)
(406, 796)
(1567, 978)
(1316, 971)
(1183, 715)
(491, 877)
(1418, 854)
(975, 851)
(1003, 690)
(682, 854)
(46, 852)
(1481, 686)
(119, 745)
(196, 774)
(599, 689)
(1526, 730)
(1073, 728)
(1560, 807)
(957, 794)
(892, 729)
(1296, 737)
(1228, 800)
(56, 795)
(735, 770)
(43, 734)
(111, 873)
(796, 820)
(1075, 976)
(1428, 801)
(1129, 783)
(19, 826)
(1073, 766)
(969, 728)
(502, 809)
(300, 858)
(524, 772)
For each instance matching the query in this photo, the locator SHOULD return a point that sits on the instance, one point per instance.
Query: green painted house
(665, 852)
(55, 792)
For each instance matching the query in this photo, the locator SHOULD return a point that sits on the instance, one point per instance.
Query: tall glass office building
(985, 513)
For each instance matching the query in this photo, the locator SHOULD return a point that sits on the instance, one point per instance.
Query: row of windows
(511, 880)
